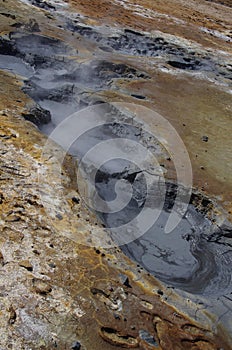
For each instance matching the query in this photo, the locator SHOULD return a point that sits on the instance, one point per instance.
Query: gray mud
(54, 80)
(164, 49)
(16, 65)
(130, 42)
(185, 258)
(196, 256)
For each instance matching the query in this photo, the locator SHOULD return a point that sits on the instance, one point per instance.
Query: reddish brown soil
(194, 13)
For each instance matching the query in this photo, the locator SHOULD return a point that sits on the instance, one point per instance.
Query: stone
(41, 287)
(76, 346)
(205, 138)
(38, 115)
(26, 264)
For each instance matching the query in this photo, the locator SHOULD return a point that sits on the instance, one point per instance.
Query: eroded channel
(196, 257)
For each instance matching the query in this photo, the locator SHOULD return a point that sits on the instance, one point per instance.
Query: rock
(38, 115)
(26, 264)
(127, 283)
(76, 346)
(1, 259)
(1, 198)
(43, 4)
(12, 315)
(41, 287)
(140, 97)
(75, 200)
(59, 216)
(205, 138)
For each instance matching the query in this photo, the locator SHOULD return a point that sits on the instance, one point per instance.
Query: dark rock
(59, 216)
(160, 292)
(7, 47)
(181, 65)
(13, 316)
(127, 283)
(41, 287)
(96, 291)
(52, 265)
(8, 15)
(26, 264)
(148, 338)
(140, 97)
(205, 138)
(16, 25)
(130, 31)
(116, 338)
(117, 317)
(1, 198)
(43, 4)
(76, 346)
(38, 115)
(1, 259)
(76, 200)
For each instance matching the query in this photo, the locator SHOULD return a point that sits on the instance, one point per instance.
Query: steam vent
(115, 174)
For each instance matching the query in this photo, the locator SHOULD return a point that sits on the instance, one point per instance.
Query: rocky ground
(57, 290)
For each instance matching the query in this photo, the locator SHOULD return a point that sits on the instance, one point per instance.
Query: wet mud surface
(53, 80)
(196, 256)
(61, 79)
(135, 43)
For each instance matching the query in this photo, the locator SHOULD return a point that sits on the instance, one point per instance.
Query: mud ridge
(55, 80)
(130, 42)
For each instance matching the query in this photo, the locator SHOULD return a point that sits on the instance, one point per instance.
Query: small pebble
(205, 138)
(41, 287)
(52, 265)
(26, 264)
(59, 216)
(76, 200)
(76, 346)
(1, 259)
(13, 316)
(160, 292)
